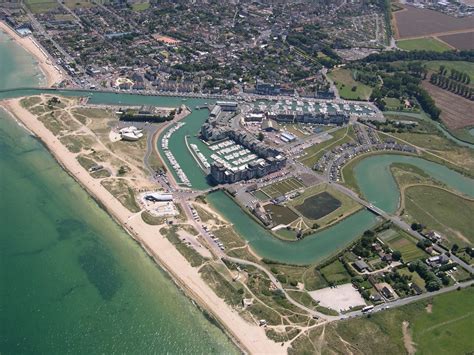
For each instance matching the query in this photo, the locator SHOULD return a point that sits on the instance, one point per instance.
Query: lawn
(443, 211)
(423, 44)
(140, 6)
(282, 187)
(348, 87)
(336, 273)
(406, 245)
(446, 329)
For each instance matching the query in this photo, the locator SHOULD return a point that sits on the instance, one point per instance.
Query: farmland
(456, 111)
(465, 67)
(445, 326)
(425, 43)
(416, 22)
(443, 211)
(460, 40)
(348, 87)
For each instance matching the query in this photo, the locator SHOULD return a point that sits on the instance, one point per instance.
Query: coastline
(248, 337)
(52, 74)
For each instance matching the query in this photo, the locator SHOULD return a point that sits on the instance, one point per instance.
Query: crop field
(441, 325)
(460, 40)
(281, 214)
(417, 22)
(282, 187)
(39, 6)
(348, 87)
(318, 206)
(456, 111)
(443, 211)
(425, 43)
(406, 245)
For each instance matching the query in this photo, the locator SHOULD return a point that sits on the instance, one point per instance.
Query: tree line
(452, 85)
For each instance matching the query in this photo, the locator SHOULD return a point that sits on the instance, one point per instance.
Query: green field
(345, 83)
(406, 245)
(318, 206)
(282, 187)
(140, 6)
(466, 67)
(39, 6)
(336, 273)
(423, 44)
(445, 328)
(443, 211)
(281, 214)
(463, 134)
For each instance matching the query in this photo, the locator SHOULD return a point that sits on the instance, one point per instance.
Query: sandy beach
(249, 337)
(53, 75)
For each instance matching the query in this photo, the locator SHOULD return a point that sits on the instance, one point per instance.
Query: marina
(171, 158)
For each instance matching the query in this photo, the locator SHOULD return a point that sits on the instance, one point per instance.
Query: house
(386, 292)
(437, 260)
(417, 289)
(361, 265)
(387, 258)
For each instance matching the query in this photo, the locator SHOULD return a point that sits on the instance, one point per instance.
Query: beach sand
(249, 337)
(46, 64)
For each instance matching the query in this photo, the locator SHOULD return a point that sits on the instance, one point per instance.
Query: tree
(396, 255)
(455, 248)
(261, 136)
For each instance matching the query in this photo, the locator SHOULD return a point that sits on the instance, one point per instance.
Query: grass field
(39, 6)
(140, 6)
(336, 273)
(423, 44)
(345, 83)
(443, 211)
(282, 187)
(406, 245)
(445, 329)
(466, 67)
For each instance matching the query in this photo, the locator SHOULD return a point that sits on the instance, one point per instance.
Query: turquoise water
(12, 56)
(72, 281)
(377, 186)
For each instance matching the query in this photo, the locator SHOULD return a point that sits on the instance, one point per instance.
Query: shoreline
(248, 337)
(53, 75)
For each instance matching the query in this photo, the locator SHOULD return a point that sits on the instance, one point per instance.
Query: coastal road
(407, 300)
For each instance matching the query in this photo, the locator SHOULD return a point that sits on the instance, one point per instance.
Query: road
(399, 223)
(404, 301)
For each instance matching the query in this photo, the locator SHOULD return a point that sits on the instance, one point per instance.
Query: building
(287, 137)
(158, 197)
(361, 265)
(227, 106)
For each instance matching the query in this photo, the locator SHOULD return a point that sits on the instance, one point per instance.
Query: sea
(71, 280)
